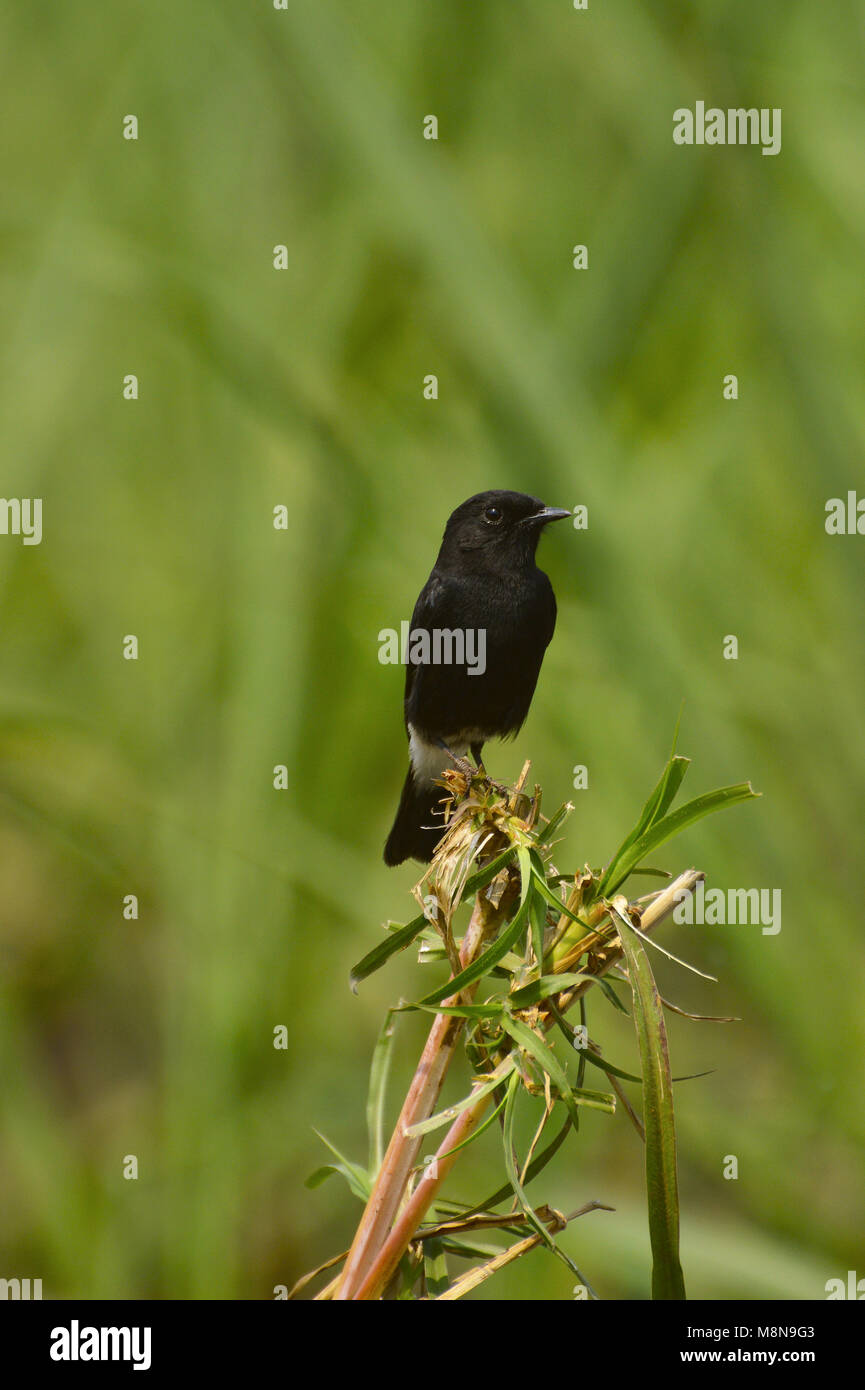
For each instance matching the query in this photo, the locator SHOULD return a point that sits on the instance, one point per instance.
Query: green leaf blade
(664, 829)
(494, 953)
(572, 1096)
(661, 1170)
(404, 936)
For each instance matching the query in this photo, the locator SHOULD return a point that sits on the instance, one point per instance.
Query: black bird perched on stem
(486, 600)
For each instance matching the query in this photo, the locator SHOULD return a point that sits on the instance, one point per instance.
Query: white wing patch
(428, 761)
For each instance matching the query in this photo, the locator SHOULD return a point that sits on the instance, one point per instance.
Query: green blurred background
(259, 647)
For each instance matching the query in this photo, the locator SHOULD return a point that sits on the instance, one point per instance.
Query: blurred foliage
(259, 647)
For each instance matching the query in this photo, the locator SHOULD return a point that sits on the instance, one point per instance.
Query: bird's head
(497, 528)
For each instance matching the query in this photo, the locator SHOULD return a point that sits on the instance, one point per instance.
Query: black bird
(486, 590)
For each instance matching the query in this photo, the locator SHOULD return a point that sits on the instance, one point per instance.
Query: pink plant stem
(416, 1208)
(418, 1106)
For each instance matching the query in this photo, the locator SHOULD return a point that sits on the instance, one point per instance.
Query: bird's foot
(463, 765)
(477, 773)
(501, 787)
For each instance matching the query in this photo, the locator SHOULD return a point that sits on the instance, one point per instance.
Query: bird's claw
(478, 774)
(463, 765)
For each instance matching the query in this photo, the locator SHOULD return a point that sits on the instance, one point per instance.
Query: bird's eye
(493, 515)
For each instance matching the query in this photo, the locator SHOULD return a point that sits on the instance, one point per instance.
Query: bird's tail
(419, 823)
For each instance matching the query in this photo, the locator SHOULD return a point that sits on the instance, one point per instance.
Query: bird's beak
(546, 514)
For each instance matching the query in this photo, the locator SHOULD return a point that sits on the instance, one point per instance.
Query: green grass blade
(435, 1267)
(450, 1113)
(475, 1250)
(674, 774)
(378, 1074)
(478, 1012)
(395, 941)
(546, 891)
(356, 1177)
(553, 824)
(404, 936)
(607, 989)
(605, 1066)
(658, 803)
(537, 1165)
(514, 1178)
(664, 829)
(572, 1096)
(538, 918)
(658, 1120)
(476, 1132)
(538, 990)
(511, 1165)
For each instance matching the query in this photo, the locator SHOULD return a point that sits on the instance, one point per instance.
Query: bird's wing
(431, 611)
(549, 612)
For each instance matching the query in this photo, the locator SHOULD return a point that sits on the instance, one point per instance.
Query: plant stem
(369, 1284)
(419, 1104)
